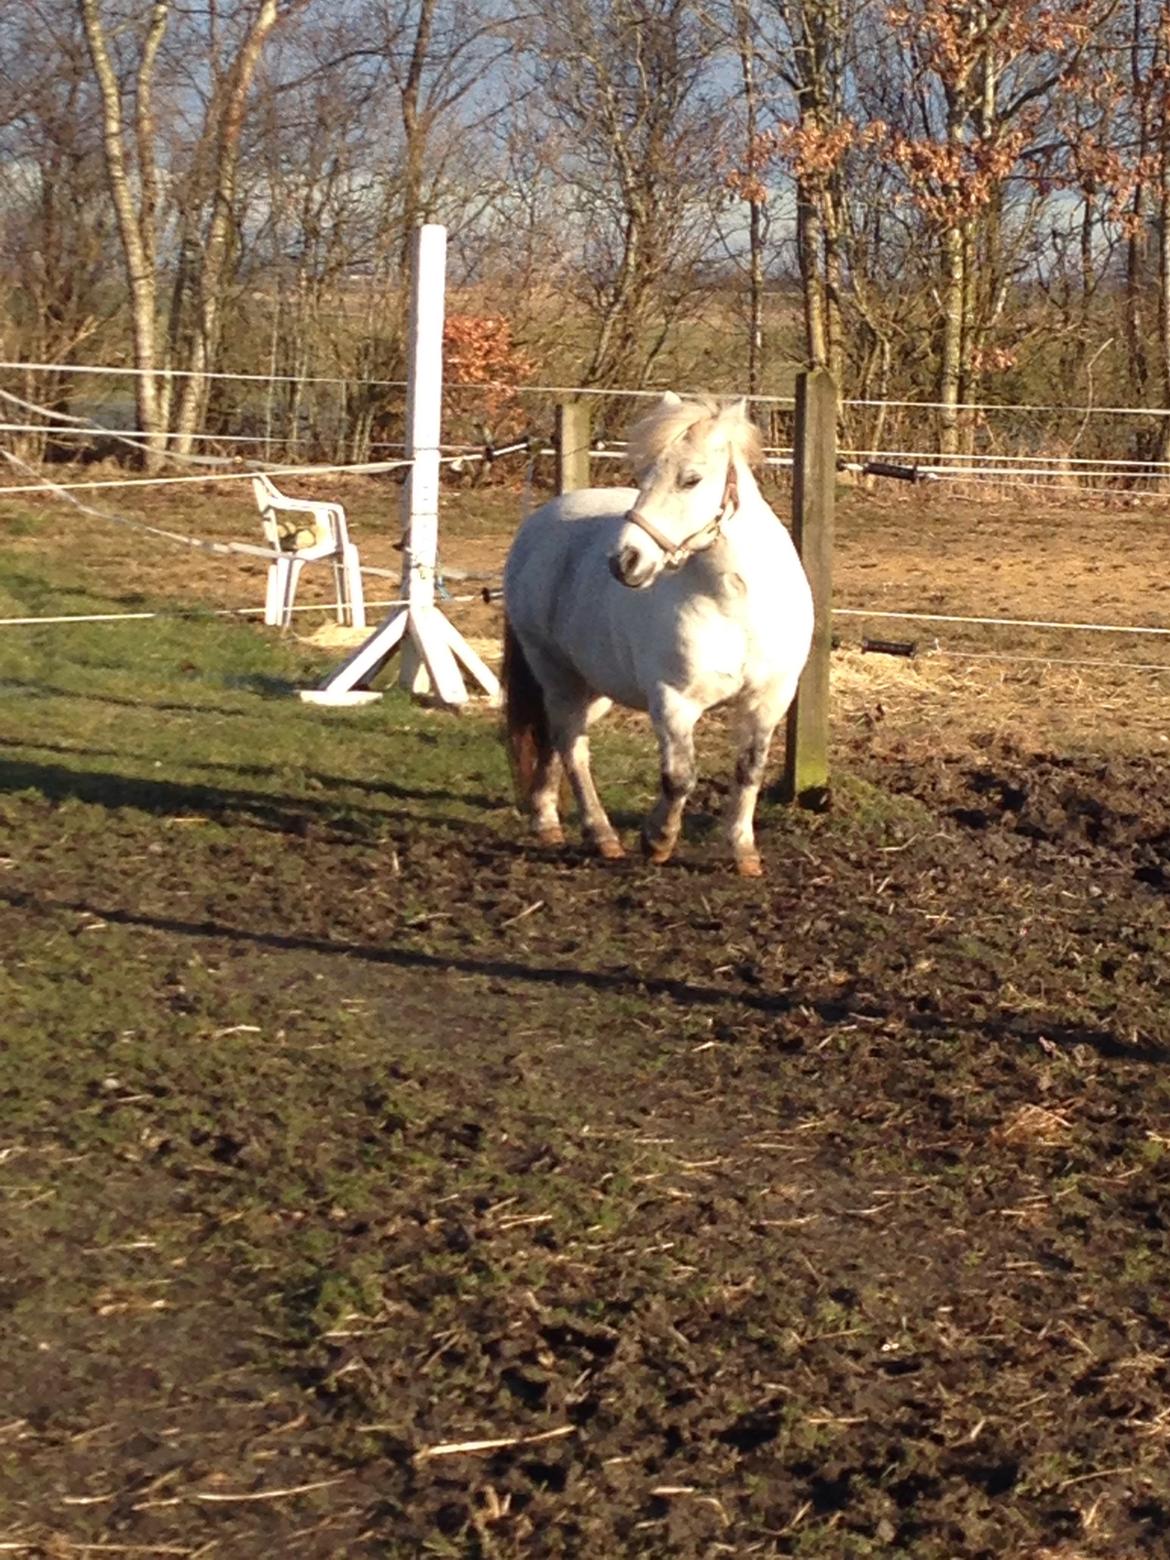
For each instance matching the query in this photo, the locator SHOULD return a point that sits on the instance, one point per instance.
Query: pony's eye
(690, 479)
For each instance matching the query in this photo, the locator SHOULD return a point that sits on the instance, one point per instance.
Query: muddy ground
(344, 1131)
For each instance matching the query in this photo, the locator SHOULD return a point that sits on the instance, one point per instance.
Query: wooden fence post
(573, 432)
(814, 478)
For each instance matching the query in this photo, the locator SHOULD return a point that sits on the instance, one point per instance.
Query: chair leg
(355, 594)
(295, 565)
(340, 600)
(274, 594)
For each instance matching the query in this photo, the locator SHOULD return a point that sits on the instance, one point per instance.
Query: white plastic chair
(328, 538)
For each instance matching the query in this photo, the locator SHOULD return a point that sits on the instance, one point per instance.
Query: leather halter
(677, 553)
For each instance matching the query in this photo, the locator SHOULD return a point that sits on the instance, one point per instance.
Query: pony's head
(685, 456)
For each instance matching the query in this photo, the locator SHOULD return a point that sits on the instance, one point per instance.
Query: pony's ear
(670, 399)
(741, 432)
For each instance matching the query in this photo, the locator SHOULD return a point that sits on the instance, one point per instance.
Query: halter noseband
(706, 536)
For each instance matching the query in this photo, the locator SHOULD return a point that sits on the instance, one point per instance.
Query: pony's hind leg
(536, 764)
(570, 725)
(674, 720)
(752, 758)
(546, 785)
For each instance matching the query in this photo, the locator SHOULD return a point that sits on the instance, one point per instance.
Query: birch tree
(127, 49)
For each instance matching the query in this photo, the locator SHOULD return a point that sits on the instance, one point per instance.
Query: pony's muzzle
(630, 567)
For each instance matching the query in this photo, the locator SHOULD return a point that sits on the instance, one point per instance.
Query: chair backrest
(295, 525)
(265, 493)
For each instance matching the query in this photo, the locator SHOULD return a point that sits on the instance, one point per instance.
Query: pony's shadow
(165, 798)
(699, 825)
(687, 994)
(33, 590)
(39, 690)
(581, 857)
(262, 686)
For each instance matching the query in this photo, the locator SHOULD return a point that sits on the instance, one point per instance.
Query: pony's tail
(526, 730)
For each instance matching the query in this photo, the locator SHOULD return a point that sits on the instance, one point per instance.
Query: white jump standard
(431, 645)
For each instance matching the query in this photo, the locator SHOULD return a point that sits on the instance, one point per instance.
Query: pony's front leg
(756, 740)
(674, 720)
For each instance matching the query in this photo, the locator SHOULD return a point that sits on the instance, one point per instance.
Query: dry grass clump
(943, 700)
(1034, 1126)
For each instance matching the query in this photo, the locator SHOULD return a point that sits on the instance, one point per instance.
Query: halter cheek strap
(706, 536)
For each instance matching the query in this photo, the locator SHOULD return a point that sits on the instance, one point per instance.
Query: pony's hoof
(552, 835)
(749, 865)
(658, 852)
(609, 848)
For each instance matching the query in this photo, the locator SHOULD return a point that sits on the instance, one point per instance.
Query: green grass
(206, 705)
(201, 712)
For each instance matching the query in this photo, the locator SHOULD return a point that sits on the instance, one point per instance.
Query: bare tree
(982, 73)
(432, 70)
(808, 46)
(127, 51)
(748, 181)
(970, 189)
(55, 232)
(626, 83)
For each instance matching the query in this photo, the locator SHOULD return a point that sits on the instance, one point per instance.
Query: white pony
(681, 595)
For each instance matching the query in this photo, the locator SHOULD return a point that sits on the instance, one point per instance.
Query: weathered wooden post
(573, 433)
(814, 478)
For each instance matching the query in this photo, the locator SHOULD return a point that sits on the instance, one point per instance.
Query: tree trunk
(755, 296)
(1137, 240)
(1162, 444)
(415, 138)
(974, 329)
(212, 274)
(810, 245)
(831, 231)
(135, 222)
(755, 203)
(950, 366)
(621, 308)
(1088, 273)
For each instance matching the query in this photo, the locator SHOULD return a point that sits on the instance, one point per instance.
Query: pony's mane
(700, 416)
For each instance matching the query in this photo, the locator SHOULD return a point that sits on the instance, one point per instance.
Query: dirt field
(344, 1132)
